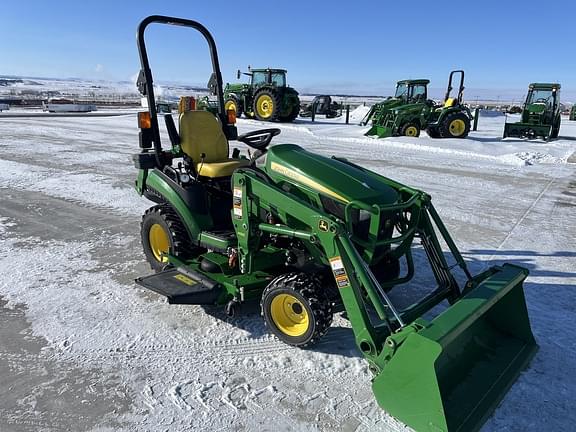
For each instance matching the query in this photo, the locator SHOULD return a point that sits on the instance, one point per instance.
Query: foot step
(183, 286)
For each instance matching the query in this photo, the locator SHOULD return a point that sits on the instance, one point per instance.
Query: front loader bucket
(379, 131)
(451, 373)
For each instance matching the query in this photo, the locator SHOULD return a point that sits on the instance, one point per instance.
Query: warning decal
(238, 202)
(339, 272)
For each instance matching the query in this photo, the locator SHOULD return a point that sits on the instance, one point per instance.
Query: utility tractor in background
(540, 114)
(450, 119)
(266, 97)
(308, 236)
(407, 92)
(321, 105)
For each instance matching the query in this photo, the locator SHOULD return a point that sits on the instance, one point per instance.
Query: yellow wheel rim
(265, 106)
(230, 105)
(457, 127)
(289, 315)
(411, 131)
(159, 242)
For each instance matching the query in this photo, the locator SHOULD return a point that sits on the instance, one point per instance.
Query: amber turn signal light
(144, 120)
(231, 116)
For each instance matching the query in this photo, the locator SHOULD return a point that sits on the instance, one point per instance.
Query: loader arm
(445, 374)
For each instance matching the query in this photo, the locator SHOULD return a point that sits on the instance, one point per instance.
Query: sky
(334, 47)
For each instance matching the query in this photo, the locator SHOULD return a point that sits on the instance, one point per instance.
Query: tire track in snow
(85, 189)
(521, 219)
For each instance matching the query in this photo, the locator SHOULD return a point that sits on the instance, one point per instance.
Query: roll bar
(460, 87)
(145, 81)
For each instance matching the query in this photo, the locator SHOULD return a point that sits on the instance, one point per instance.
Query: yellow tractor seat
(201, 133)
(450, 102)
(220, 169)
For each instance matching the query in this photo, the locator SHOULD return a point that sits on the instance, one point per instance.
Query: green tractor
(407, 92)
(451, 119)
(309, 236)
(573, 113)
(540, 114)
(266, 98)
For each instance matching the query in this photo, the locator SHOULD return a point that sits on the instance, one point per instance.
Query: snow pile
(358, 113)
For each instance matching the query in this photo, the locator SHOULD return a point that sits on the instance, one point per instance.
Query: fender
(189, 203)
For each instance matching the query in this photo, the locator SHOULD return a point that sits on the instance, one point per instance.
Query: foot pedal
(183, 286)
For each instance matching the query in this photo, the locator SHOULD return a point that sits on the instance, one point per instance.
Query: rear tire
(266, 105)
(296, 309)
(233, 103)
(292, 116)
(433, 132)
(455, 125)
(162, 232)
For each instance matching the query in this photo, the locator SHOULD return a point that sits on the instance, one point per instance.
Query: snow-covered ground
(83, 348)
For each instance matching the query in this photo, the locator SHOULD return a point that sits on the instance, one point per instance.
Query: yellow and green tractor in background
(267, 97)
(411, 112)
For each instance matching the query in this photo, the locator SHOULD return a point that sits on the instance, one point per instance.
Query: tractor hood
(407, 108)
(235, 88)
(330, 177)
(390, 103)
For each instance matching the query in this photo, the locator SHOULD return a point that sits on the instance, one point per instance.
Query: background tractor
(540, 114)
(322, 105)
(407, 92)
(266, 97)
(308, 236)
(450, 119)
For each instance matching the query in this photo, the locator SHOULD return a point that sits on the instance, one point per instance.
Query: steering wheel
(259, 139)
(541, 100)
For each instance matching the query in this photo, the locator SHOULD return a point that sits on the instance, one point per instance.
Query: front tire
(410, 129)
(296, 309)
(163, 233)
(233, 103)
